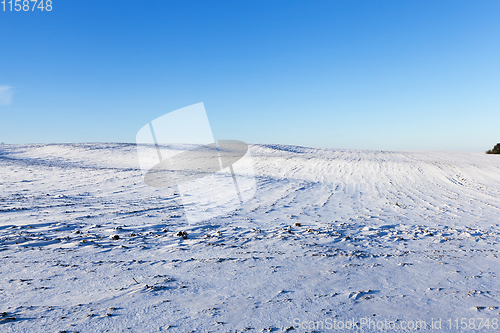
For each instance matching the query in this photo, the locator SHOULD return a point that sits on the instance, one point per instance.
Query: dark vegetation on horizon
(495, 150)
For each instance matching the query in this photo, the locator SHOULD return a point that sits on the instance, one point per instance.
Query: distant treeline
(495, 150)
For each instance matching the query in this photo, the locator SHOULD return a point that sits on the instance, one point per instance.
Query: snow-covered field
(331, 236)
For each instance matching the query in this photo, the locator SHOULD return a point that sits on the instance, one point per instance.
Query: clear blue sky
(392, 75)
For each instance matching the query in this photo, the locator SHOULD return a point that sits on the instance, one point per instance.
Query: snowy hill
(330, 236)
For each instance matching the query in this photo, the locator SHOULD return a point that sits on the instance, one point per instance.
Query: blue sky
(391, 75)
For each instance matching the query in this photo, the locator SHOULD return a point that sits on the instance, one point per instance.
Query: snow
(329, 234)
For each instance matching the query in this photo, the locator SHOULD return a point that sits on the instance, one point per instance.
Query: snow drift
(330, 234)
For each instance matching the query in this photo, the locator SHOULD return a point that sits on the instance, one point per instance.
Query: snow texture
(86, 246)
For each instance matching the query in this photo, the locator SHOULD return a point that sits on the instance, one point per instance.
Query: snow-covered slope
(330, 236)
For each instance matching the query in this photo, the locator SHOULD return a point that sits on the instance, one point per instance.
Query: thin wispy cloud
(6, 94)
